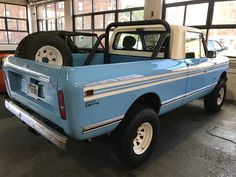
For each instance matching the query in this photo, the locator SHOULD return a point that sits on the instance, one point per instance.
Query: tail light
(61, 102)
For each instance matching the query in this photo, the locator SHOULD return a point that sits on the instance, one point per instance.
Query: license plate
(33, 90)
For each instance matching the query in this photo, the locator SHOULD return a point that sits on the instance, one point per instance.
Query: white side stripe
(139, 83)
(180, 97)
(143, 86)
(131, 81)
(145, 78)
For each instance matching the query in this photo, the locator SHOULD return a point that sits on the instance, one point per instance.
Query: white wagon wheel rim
(220, 96)
(143, 139)
(49, 54)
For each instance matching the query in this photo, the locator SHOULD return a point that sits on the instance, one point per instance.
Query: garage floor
(187, 147)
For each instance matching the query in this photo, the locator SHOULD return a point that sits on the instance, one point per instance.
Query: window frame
(93, 14)
(209, 19)
(202, 42)
(141, 39)
(6, 18)
(46, 19)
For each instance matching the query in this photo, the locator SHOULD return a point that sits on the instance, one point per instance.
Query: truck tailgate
(34, 85)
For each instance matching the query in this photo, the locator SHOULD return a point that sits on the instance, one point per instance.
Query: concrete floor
(185, 149)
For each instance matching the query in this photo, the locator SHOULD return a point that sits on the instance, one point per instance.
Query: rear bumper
(46, 131)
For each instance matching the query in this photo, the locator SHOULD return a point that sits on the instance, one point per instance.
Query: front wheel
(215, 100)
(138, 137)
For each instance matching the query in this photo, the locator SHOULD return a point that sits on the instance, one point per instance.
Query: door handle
(189, 64)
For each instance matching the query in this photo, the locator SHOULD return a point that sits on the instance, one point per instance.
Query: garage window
(175, 15)
(51, 17)
(216, 18)
(224, 13)
(13, 23)
(224, 41)
(94, 15)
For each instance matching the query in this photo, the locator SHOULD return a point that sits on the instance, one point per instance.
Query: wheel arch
(223, 76)
(150, 99)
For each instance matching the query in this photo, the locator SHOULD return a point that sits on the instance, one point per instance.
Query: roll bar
(137, 23)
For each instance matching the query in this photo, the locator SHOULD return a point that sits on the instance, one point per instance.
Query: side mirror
(211, 54)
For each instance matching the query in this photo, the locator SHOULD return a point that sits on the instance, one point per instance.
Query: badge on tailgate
(33, 90)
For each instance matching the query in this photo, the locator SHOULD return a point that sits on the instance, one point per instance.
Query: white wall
(32, 19)
(68, 16)
(231, 91)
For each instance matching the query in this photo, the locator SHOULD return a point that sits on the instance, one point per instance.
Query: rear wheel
(137, 137)
(215, 100)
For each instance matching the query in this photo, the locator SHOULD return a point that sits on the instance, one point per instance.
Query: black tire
(212, 104)
(24, 42)
(30, 45)
(127, 132)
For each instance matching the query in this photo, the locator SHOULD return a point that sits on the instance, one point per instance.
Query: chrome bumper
(50, 134)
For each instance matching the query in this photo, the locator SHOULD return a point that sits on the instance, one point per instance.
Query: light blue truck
(121, 86)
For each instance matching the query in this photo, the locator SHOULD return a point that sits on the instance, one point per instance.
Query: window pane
(51, 24)
(16, 37)
(42, 25)
(82, 6)
(12, 24)
(226, 38)
(98, 21)
(60, 9)
(109, 18)
(224, 12)
(2, 14)
(124, 4)
(61, 24)
(3, 37)
(87, 22)
(196, 14)
(173, 1)
(41, 12)
(132, 41)
(175, 15)
(84, 41)
(2, 23)
(50, 10)
(16, 11)
(193, 45)
(104, 5)
(22, 25)
(124, 17)
(137, 15)
(120, 41)
(78, 23)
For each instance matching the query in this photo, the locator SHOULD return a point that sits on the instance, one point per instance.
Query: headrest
(129, 42)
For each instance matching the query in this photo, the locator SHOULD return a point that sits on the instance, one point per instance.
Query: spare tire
(45, 47)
